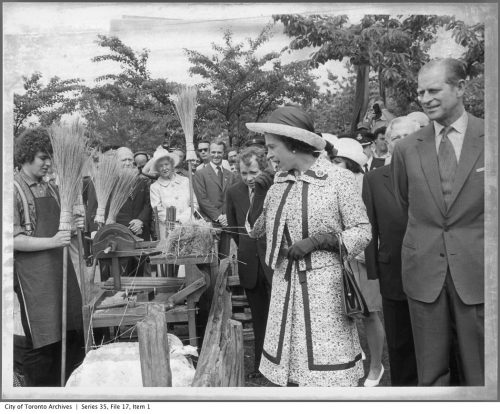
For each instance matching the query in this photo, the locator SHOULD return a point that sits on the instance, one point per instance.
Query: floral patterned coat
(309, 341)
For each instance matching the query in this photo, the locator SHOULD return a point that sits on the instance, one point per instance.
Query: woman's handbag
(353, 301)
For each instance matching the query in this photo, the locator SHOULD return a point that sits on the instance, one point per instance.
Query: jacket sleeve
(206, 206)
(145, 212)
(399, 178)
(371, 251)
(356, 232)
(231, 217)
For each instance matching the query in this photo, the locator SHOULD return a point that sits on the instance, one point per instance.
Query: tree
(43, 104)
(238, 86)
(394, 48)
(130, 108)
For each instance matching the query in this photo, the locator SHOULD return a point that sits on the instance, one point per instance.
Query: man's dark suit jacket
(137, 206)
(440, 236)
(250, 251)
(211, 195)
(383, 254)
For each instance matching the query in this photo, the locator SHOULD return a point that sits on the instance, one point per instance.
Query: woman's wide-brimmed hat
(160, 154)
(290, 122)
(351, 149)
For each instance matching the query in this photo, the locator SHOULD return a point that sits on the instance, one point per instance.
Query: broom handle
(83, 279)
(64, 315)
(191, 195)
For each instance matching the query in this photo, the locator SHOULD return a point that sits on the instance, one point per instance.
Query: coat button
(446, 228)
(441, 254)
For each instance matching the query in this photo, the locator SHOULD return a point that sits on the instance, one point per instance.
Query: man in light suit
(255, 275)
(438, 175)
(210, 186)
(383, 259)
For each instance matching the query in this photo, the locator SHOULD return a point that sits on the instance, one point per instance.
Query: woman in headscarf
(350, 156)
(309, 340)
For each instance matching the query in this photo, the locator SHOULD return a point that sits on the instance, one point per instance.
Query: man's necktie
(447, 161)
(250, 196)
(220, 176)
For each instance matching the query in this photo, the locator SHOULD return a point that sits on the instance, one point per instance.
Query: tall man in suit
(438, 175)
(255, 275)
(210, 186)
(383, 259)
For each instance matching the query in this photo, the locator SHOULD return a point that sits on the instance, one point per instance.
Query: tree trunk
(361, 96)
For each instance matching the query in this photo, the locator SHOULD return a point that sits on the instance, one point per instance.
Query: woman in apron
(38, 267)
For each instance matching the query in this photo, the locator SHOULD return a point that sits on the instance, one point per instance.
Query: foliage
(240, 86)
(129, 108)
(43, 104)
(394, 47)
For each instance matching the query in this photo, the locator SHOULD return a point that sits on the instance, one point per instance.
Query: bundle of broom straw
(69, 147)
(69, 157)
(127, 179)
(185, 106)
(104, 176)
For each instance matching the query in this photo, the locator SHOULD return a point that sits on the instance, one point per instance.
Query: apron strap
(27, 221)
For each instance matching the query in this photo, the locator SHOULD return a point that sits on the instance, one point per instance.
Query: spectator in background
(378, 116)
(203, 151)
(380, 150)
(350, 156)
(255, 275)
(181, 167)
(210, 185)
(140, 159)
(420, 117)
(232, 156)
(383, 259)
(365, 138)
(438, 175)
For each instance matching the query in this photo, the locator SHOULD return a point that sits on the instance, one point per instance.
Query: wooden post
(154, 349)
(221, 359)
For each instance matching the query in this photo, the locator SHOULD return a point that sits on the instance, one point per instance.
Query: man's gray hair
(398, 121)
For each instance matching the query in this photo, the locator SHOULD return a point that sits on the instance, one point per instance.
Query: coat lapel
(212, 175)
(388, 181)
(243, 201)
(428, 158)
(471, 149)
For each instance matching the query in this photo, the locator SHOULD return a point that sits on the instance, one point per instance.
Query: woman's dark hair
(330, 150)
(298, 146)
(352, 166)
(29, 143)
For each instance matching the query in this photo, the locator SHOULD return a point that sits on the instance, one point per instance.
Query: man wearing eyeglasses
(204, 154)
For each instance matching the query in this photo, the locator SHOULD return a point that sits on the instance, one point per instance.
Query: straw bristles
(194, 239)
(185, 106)
(104, 176)
(123, 188)
(69, 149)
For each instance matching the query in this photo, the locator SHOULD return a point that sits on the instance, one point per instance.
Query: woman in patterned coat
(309, 341)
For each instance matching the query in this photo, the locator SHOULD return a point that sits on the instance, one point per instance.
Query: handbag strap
(341, 253)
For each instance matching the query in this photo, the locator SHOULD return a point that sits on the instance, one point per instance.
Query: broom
(124, 186)
(104, 176)
(68, 145)
(185, 106)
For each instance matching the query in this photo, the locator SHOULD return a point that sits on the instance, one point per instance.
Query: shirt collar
(30, 181)
(316, 174)
(460, 125)
(215, 166)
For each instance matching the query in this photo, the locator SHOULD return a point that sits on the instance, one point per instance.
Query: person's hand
(263, 182)
(135, 226)
(79, 222)
(299, 249)
(61, 239)
(222, 220)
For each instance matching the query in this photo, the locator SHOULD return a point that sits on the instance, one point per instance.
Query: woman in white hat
(309, 340)
(170, 189)
(350, 156)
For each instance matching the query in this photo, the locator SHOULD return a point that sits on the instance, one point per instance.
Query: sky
(58, 39)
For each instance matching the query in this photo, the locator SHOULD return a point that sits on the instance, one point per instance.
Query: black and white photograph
(281, 201)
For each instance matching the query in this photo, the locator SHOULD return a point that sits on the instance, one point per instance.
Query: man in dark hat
(140, 159)
(256, 141)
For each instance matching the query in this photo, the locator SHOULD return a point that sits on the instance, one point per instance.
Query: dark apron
(38, 278)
